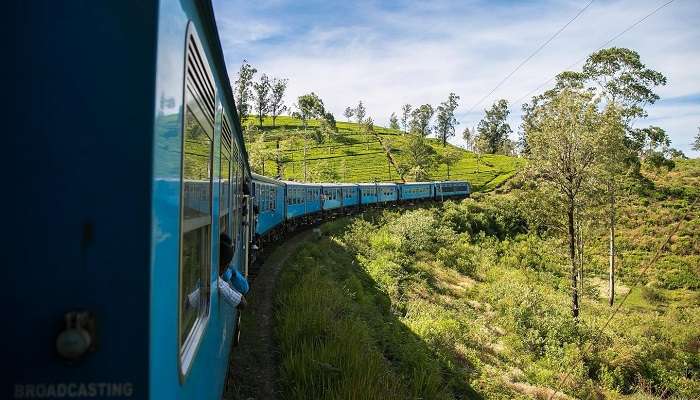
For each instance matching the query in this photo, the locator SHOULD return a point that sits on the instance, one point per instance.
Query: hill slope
(351, 156)
(460, 300)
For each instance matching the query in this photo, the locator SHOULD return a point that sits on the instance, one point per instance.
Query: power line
(528, 58)
(629, 28)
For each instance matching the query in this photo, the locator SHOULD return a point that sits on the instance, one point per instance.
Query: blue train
(130, 163)
(281, 206)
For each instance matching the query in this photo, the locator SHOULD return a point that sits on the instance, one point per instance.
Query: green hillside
(465, 300)
(352, 156)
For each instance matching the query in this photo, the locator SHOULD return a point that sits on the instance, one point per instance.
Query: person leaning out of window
(232, 285)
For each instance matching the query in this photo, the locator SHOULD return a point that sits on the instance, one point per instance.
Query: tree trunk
(611, 272)
(572, 256)
(579, 249)
(305, 162)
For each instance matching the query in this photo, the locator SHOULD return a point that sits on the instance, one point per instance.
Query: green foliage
(446, 121)
(420, 119)
(394, 122)
(359, 157)
(445, 300)
(493, 129)
(243, 90)
(309, 106)
(277, 89)
(262, 90)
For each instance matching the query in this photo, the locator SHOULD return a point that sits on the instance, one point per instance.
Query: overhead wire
(534, 53)
(629, 28)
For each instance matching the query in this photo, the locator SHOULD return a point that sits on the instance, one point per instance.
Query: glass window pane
(196, 224)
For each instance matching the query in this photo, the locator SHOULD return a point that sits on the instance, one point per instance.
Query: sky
(389, 53)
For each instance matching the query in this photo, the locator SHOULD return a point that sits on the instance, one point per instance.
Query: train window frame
(200, 103)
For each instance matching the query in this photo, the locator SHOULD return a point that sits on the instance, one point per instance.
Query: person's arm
(230, 296)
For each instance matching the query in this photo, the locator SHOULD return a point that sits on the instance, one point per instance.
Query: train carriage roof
(260, 178)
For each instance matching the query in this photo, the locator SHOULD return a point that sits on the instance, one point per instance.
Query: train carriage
(387, 192)
(303, 199)
(351, 196)
(416, 191)
(452, 189)
(368, 193)
(269, 203)
(331, 196)
(114, 315)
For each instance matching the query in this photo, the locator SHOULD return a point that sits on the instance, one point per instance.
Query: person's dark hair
(225, 252)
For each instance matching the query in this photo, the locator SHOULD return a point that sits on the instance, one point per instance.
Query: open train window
(196, 202)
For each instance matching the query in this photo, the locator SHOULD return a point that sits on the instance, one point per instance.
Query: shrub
(460, 255)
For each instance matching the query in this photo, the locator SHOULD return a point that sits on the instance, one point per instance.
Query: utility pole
(277, 160)
(305, 161)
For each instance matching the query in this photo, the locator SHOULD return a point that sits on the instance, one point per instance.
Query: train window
(272, 198)
(236, 183)
(225, 178)
(196, 212)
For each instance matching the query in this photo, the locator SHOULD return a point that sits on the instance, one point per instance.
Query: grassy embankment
(462, 301)
(357, 157)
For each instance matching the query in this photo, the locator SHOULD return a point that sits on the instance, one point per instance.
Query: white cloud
(420, 52)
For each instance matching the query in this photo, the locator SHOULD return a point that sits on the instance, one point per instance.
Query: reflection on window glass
(196, 225)
(225, 190)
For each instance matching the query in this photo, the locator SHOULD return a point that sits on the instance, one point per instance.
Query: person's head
(225, 252)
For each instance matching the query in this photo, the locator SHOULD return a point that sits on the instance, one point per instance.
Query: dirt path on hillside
(253, 365)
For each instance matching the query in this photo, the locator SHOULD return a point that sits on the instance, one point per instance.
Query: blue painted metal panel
(313, 198)
(332, 196)
(452, 188)
(301, 199)
(351, 196)
(368, 193)
(416, 191)
(205, 378)
(387, 192)
(80, 155)
(270, 200)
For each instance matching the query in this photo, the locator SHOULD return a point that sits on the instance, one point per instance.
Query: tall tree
(393, 121)
(360, 113)
(277, 106)
(259, 154)
(243, 89)
(327, 126)
(468, 136)
(696, 142)
(446, 121)
(308, 106)
(262, 97)
(619, 76)
(494, 129)
(405, 116)
(420, 119)
(349, 112)
(568, 141)
(418, 159)
(450, 157)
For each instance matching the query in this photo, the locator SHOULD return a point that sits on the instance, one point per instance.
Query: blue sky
(391, 53)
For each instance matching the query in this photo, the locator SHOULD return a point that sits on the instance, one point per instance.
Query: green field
(356, 157)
